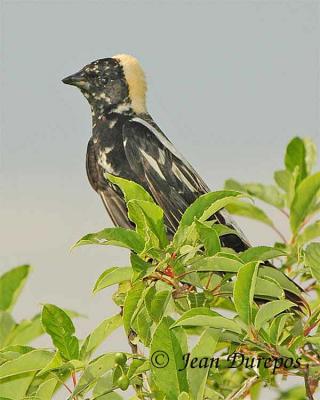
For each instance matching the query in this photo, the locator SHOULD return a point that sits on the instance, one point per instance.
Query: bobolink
(126, 142)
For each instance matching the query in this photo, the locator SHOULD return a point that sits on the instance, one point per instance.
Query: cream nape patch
(136, 80)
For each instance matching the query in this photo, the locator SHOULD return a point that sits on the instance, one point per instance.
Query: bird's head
(112, 84)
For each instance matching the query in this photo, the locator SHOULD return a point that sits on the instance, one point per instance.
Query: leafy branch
(237, 307)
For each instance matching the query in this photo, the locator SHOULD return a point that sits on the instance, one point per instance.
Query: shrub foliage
(202, 322)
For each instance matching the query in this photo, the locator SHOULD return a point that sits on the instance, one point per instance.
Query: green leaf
(93, 372)
(265, 289)
(7, 325)
(120, 237)
(282, 179)
(309, 233)
(203, 316)
(216, 263)
(11, 283)
(261, 253)
(26, 331)
(205, 348)
(277, 327)
(157, 303)
(199, 206)
(139, 266)
(216, 206)
(15, 387)
(131, 304)
(112, 276)
(54, 364)
(293, 183)
(130, 189)
(223, 229)
(296, 157)
(303, 200)
(198, 210)
(244, 209)
(138, 366)
(209, 238)
(232, 184)
(171, 378)
(141, 325)
(269, 310)
(183, 396)
(149, 296)
(61, 329)
(99, 335)
(148, 216)
(197, 299)
(12, 352)
(278, 276)
(46, 389)
(31, 361)
(312, 259)
(243, 292)
(59, 366)
(268, 289)
(311, 154)
(267, 193)
(103, 385)
(270, 194)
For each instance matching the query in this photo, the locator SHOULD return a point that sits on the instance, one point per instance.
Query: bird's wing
(171, 180)
(111, 195)
(154, 161)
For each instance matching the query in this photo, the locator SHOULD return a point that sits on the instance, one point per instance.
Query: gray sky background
(230, 82)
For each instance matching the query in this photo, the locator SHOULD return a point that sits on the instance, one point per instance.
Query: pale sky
(230, 82)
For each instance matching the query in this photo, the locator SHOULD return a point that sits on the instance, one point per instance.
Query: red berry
(168, 271)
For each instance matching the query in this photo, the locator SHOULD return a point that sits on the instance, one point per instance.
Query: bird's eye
(104, 80)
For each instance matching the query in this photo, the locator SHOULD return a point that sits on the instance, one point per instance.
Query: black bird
(126, 142)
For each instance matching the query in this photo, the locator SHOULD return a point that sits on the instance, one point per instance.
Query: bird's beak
(77, 79)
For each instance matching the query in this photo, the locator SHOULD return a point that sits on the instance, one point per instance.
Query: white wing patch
(162, 139)
(153, 163)
(182, 177)
(162, 157)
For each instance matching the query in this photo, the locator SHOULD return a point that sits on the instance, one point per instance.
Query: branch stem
(307, 383)
(239, 393)
(284, 212)
(281, 235)
(74, 379)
